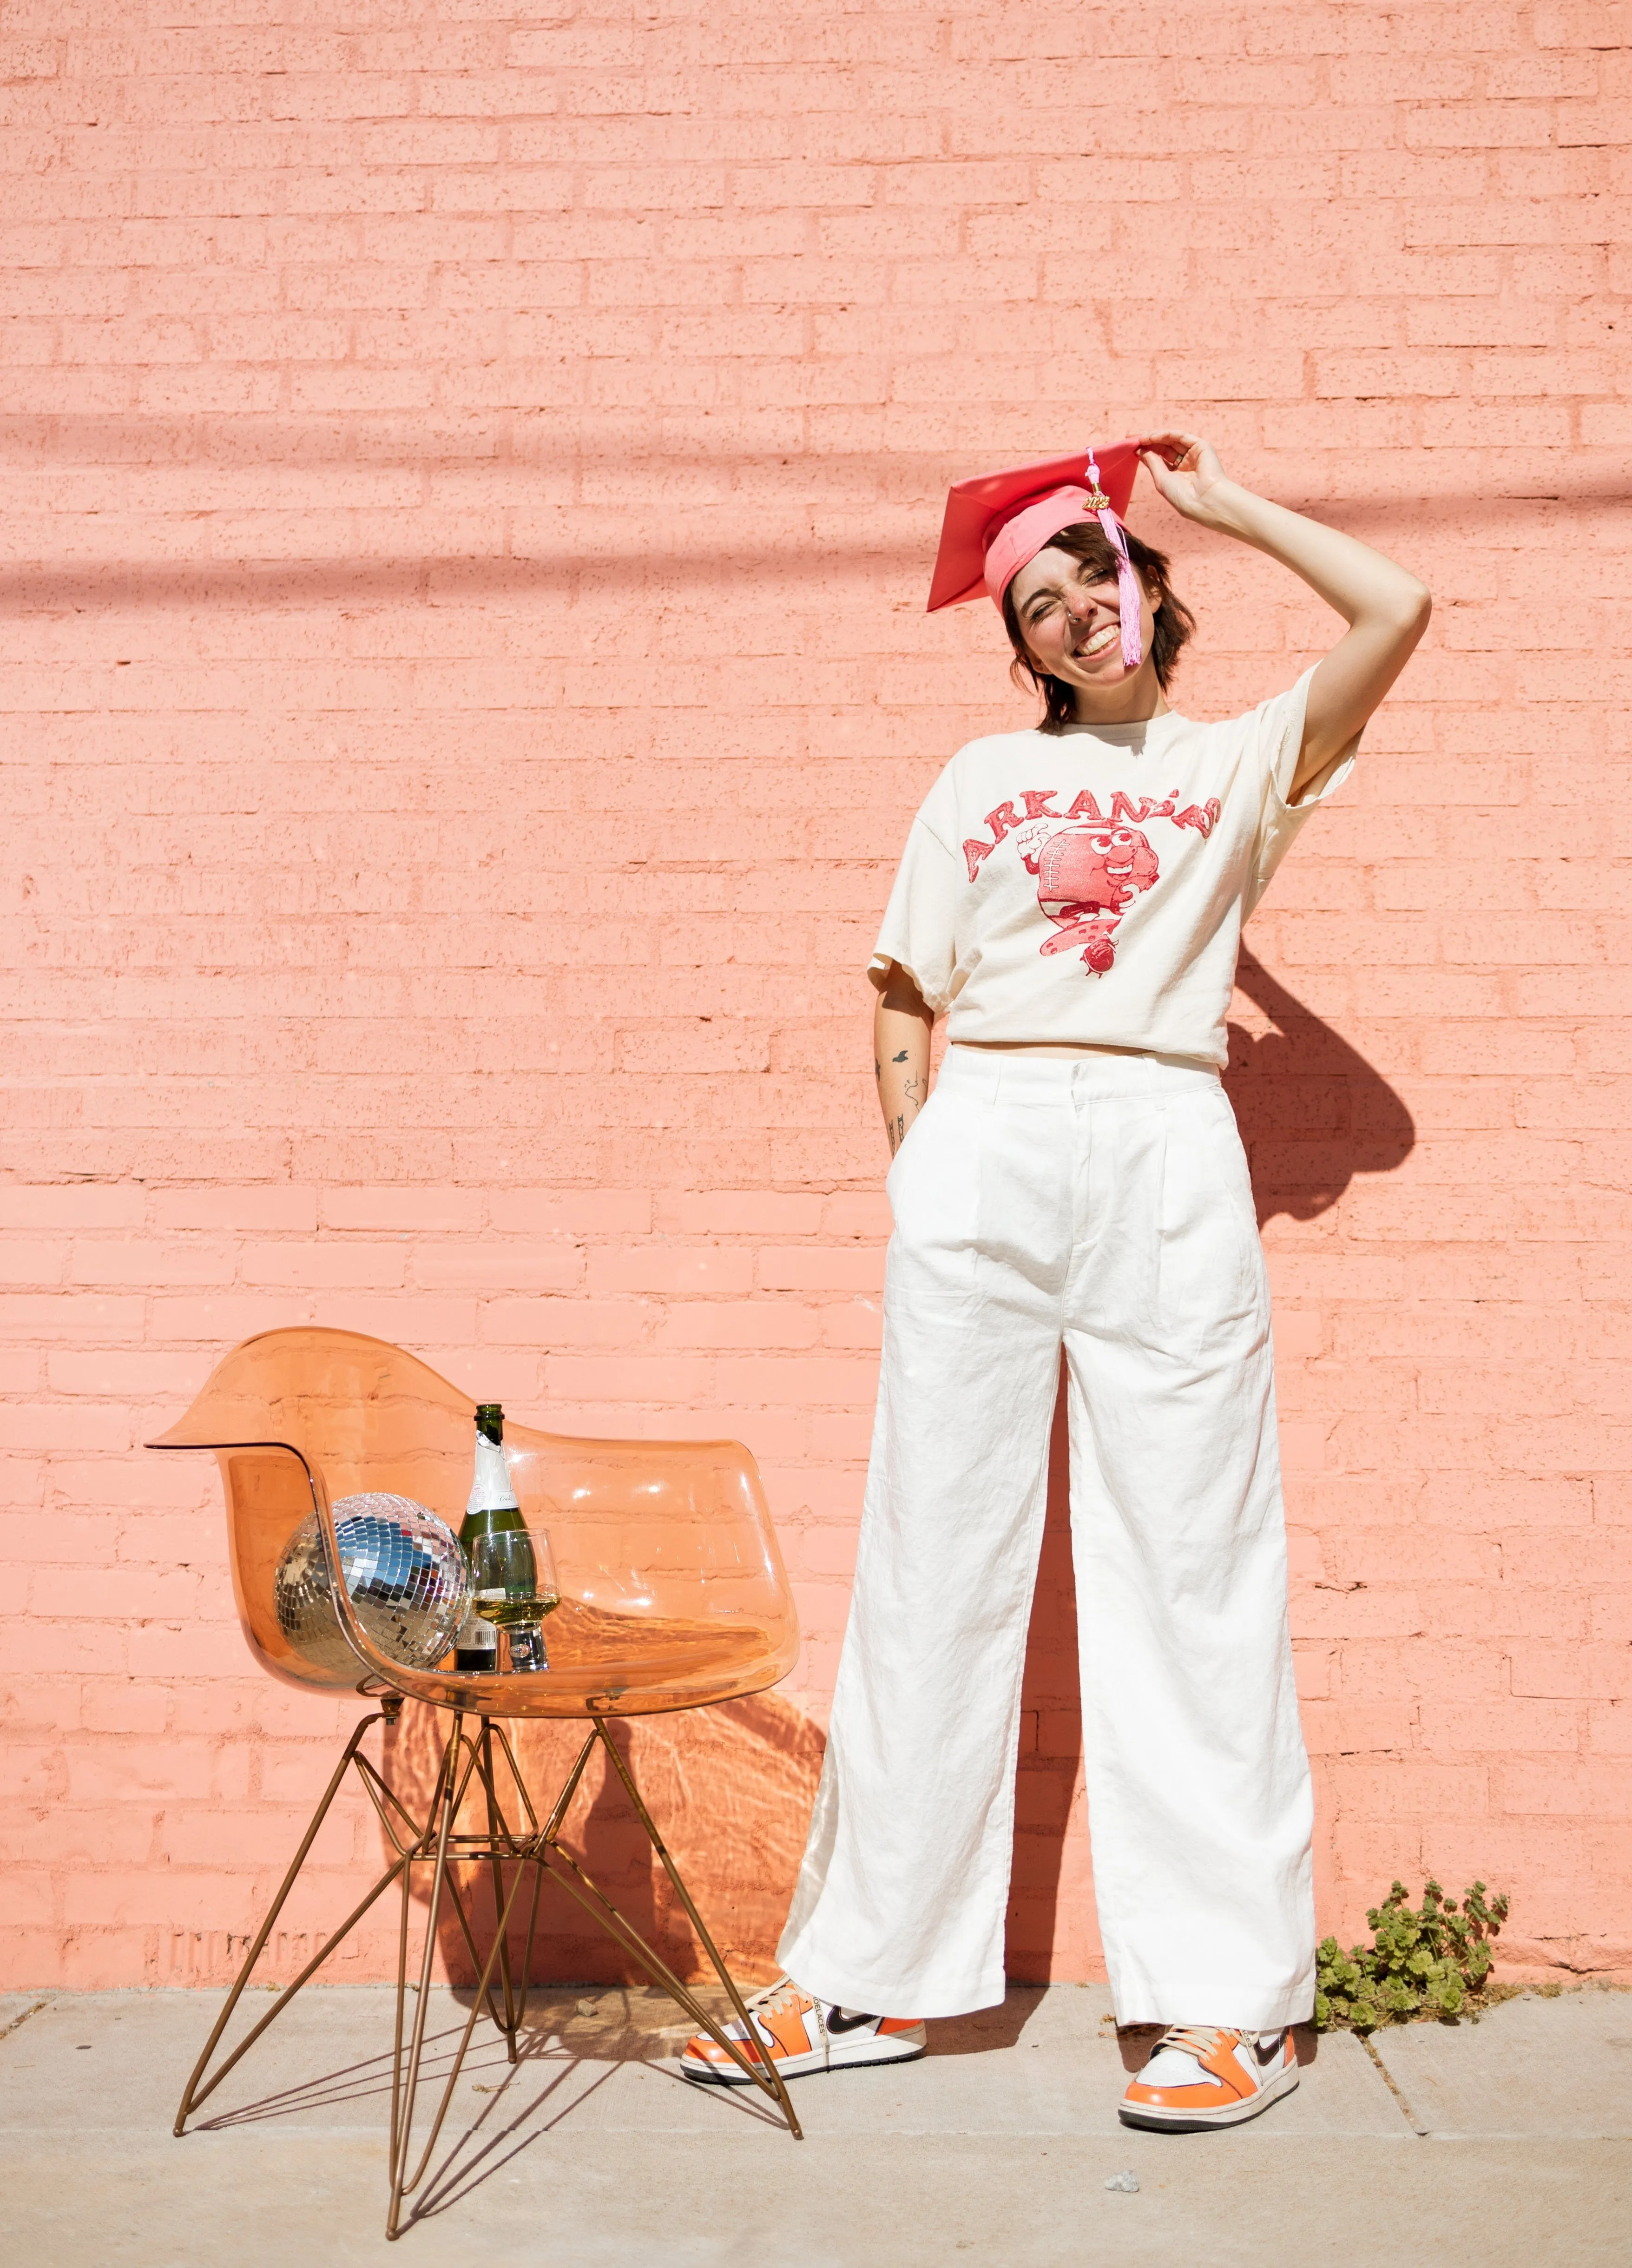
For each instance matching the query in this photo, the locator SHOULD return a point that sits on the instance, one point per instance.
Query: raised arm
(901, 1046)
(1387, 609)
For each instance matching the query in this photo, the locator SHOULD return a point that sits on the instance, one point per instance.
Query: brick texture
(470, 479)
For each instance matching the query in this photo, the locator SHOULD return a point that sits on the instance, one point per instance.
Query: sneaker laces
(784, 1993)
(770, 2001)
(1196, 2040)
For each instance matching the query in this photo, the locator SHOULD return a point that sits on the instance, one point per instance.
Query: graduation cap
(998, 521)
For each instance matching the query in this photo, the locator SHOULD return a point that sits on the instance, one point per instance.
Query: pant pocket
(933, 1186)
(908, 1141)
(1212, 1283)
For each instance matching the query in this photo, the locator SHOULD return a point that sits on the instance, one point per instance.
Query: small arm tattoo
(899, 1058)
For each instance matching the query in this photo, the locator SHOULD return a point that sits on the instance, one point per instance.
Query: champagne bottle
(492, 1506)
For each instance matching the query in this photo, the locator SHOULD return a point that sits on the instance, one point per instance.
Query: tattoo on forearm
(899, 1058)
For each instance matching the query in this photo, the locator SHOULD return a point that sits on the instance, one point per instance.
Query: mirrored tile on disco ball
(404, 1571)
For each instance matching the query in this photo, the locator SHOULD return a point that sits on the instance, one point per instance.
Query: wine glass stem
(527, 1647)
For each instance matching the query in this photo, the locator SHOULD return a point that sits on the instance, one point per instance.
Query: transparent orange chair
(672, 1596)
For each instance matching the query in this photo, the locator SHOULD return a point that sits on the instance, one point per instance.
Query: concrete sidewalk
(1508, 2141)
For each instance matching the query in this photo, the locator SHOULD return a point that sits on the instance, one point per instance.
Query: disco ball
(409, 1580)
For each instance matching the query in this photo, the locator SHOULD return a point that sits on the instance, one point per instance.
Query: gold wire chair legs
(463, 1758)
(539, 1848)
(509, 1853)
(573, 1879)
(394, 1818)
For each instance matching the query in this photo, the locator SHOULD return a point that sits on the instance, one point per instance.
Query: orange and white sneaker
(1203, 2075)
(803, 2034)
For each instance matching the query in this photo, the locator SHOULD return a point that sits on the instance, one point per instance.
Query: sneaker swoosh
(838, 2021)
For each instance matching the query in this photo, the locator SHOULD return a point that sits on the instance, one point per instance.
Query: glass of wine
(515, 1587)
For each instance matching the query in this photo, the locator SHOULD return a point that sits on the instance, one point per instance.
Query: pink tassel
(1129, 596)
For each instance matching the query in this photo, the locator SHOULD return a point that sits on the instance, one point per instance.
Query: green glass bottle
(492, 1507)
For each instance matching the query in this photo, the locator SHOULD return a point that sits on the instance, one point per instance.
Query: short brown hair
(1175, 624)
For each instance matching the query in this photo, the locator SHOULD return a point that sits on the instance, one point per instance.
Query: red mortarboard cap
(979, 511)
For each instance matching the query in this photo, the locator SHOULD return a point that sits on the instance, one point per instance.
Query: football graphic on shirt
(1086, 878)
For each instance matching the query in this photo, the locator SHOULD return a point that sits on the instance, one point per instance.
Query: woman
(1071, 898)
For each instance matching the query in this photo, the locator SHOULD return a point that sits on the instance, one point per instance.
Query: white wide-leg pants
(1100, 1203)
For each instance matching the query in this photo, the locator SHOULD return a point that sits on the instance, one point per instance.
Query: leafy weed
(1422, 1962)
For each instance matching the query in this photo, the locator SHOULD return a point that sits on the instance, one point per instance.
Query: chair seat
(603, 1664)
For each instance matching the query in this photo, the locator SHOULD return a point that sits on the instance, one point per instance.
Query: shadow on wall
(702, 553)
(1312, 1110)
(730, 1788)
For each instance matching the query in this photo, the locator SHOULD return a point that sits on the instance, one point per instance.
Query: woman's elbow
(899, 992)
(1415, 605)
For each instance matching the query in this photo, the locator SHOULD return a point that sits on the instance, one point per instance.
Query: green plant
(1426, 1963)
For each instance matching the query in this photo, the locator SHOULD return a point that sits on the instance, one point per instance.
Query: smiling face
(1069, 616)
(1118, 847)
(1084, 868)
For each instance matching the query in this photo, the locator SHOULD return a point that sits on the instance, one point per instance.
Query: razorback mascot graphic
(1087, 876)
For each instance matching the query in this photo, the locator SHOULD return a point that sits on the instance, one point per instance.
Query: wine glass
(515, 1587)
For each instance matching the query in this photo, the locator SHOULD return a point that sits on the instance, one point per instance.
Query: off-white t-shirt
(1089, 886)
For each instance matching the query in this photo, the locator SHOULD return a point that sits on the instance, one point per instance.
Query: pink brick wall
(470, 479)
